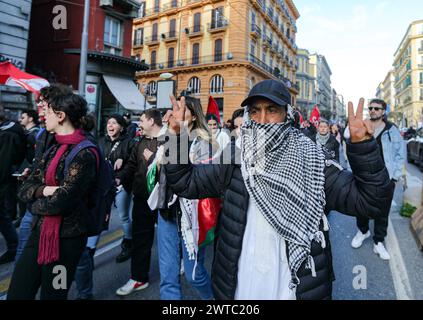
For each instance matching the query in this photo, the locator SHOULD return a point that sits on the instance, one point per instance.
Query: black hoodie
(12, 151)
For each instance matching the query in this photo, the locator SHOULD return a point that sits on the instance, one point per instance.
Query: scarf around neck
(283, 172)
(322, 139)
(49, 243)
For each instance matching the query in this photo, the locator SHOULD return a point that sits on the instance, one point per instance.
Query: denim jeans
(24, 233)
(169, 243)
(84, 270)
(124, 205)
(7, 229)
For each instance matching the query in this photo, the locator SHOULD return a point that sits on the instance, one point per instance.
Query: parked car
(415, 149)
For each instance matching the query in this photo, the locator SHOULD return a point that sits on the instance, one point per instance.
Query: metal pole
(84, 49)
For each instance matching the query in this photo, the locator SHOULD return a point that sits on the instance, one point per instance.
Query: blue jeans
(124, 204)
(7, 229)
(169, 243)
(84, 270)
(24, 233)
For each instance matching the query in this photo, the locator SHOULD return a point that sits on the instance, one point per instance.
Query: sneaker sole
(121, 293)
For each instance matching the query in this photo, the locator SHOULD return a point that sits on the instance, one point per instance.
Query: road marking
(396, 263)
(106, 243)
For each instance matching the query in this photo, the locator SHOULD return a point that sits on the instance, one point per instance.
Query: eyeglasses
(375, 108)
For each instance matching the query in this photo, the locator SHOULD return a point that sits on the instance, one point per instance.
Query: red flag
(315, 116)
(213, 108)
(12, 76)
(208, 212)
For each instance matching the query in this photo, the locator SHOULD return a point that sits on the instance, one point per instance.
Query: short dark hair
(211, 116)
(155, 115)
(32, 114)
(379, 101)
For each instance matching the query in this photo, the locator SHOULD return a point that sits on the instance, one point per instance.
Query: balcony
(169, 36)
(152, 11)
(152, 41)
(261, 4)
(269, 12)
(171, 5)
(218, 26)
(193, 3)
(194, 31)
(255, 31)
(138, 43)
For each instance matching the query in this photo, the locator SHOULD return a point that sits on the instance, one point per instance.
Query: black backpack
(102, 197)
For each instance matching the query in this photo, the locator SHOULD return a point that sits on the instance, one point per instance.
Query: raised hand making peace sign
(360, 129)
(176, 117)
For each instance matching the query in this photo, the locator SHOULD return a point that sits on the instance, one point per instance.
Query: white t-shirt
(263, 271)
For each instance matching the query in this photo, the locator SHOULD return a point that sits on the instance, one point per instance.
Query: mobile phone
(18, 175)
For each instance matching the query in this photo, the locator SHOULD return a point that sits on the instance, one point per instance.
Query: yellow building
(388, 90)
(217, 48)
(408, 73)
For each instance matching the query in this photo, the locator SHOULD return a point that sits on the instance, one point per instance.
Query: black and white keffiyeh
(284, 174)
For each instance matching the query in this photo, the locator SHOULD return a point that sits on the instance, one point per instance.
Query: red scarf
(48, 251)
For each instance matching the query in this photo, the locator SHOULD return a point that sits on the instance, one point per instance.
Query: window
(171, 58)
(271, 63)
(217, 17)
(112, 35)
(151, 88)
(216, 84)
(253, 48)
(141, 11)
(139, 35)
(421, 77)
(174, 3)
(156, 6)
(154, 32)
(196, 53)
(253, 19)
(197, 22)
(153, 61)
(172, 28)
(194, 85)
(263, 57)
(218, 50)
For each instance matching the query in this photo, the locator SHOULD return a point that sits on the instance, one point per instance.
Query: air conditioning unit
(163, 36)
(106, 3)
(180, 63)
(230, 56)
(161, 66)
(187, 30)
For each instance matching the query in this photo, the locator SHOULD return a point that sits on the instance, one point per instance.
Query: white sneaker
(380, 250)
(130, 287)
(359, 238)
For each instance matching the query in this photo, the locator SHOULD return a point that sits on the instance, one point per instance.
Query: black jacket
(332, 146)
(12, 151)
(134, 173)
(367, 192)
(122, 151)
(70, 200)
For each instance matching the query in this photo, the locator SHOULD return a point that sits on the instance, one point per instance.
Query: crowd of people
(258, 190)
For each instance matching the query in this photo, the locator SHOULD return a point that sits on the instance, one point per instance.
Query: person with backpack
(59, 196)
(117, 146)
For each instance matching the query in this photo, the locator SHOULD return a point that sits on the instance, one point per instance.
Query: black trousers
(380, 228)
(54, 281)
(143, 220)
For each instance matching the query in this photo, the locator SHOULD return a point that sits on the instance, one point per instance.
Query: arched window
(216, 84)
(151, 88)
(194, 85)
(218, 50)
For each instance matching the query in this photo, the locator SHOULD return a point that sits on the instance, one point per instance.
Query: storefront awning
(127, 93)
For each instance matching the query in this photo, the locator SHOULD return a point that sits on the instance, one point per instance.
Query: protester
(219, 135)
(59, 201)
(327, 140)
(271, 243)
(143, 219)
(177, 224)
(237, 120)
(392, 150)
(117, 147)
(309, 130)
(131, 127)
(12, 151)
(30, 121)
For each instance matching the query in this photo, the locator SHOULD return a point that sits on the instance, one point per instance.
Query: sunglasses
(375, 108)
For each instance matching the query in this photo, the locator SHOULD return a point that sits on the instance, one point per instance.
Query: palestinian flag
(208, 212)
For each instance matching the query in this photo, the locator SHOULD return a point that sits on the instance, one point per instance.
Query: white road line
(398, 270)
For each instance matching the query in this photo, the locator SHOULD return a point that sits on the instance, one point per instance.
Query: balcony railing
(194, 31)
(138, 42)
(170, 36)
(151, 11)
(220, 25)
(255, 30)
(171, 5)
(149, 41)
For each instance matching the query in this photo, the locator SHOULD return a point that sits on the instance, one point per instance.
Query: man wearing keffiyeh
(272, 233)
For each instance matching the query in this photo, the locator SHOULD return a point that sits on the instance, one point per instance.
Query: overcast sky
(357, 37)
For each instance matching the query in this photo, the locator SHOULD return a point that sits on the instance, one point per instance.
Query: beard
(376, 118)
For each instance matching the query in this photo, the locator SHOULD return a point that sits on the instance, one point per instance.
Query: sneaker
(380, 250)
(130, 287)
(359, 238)
(8, 256)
